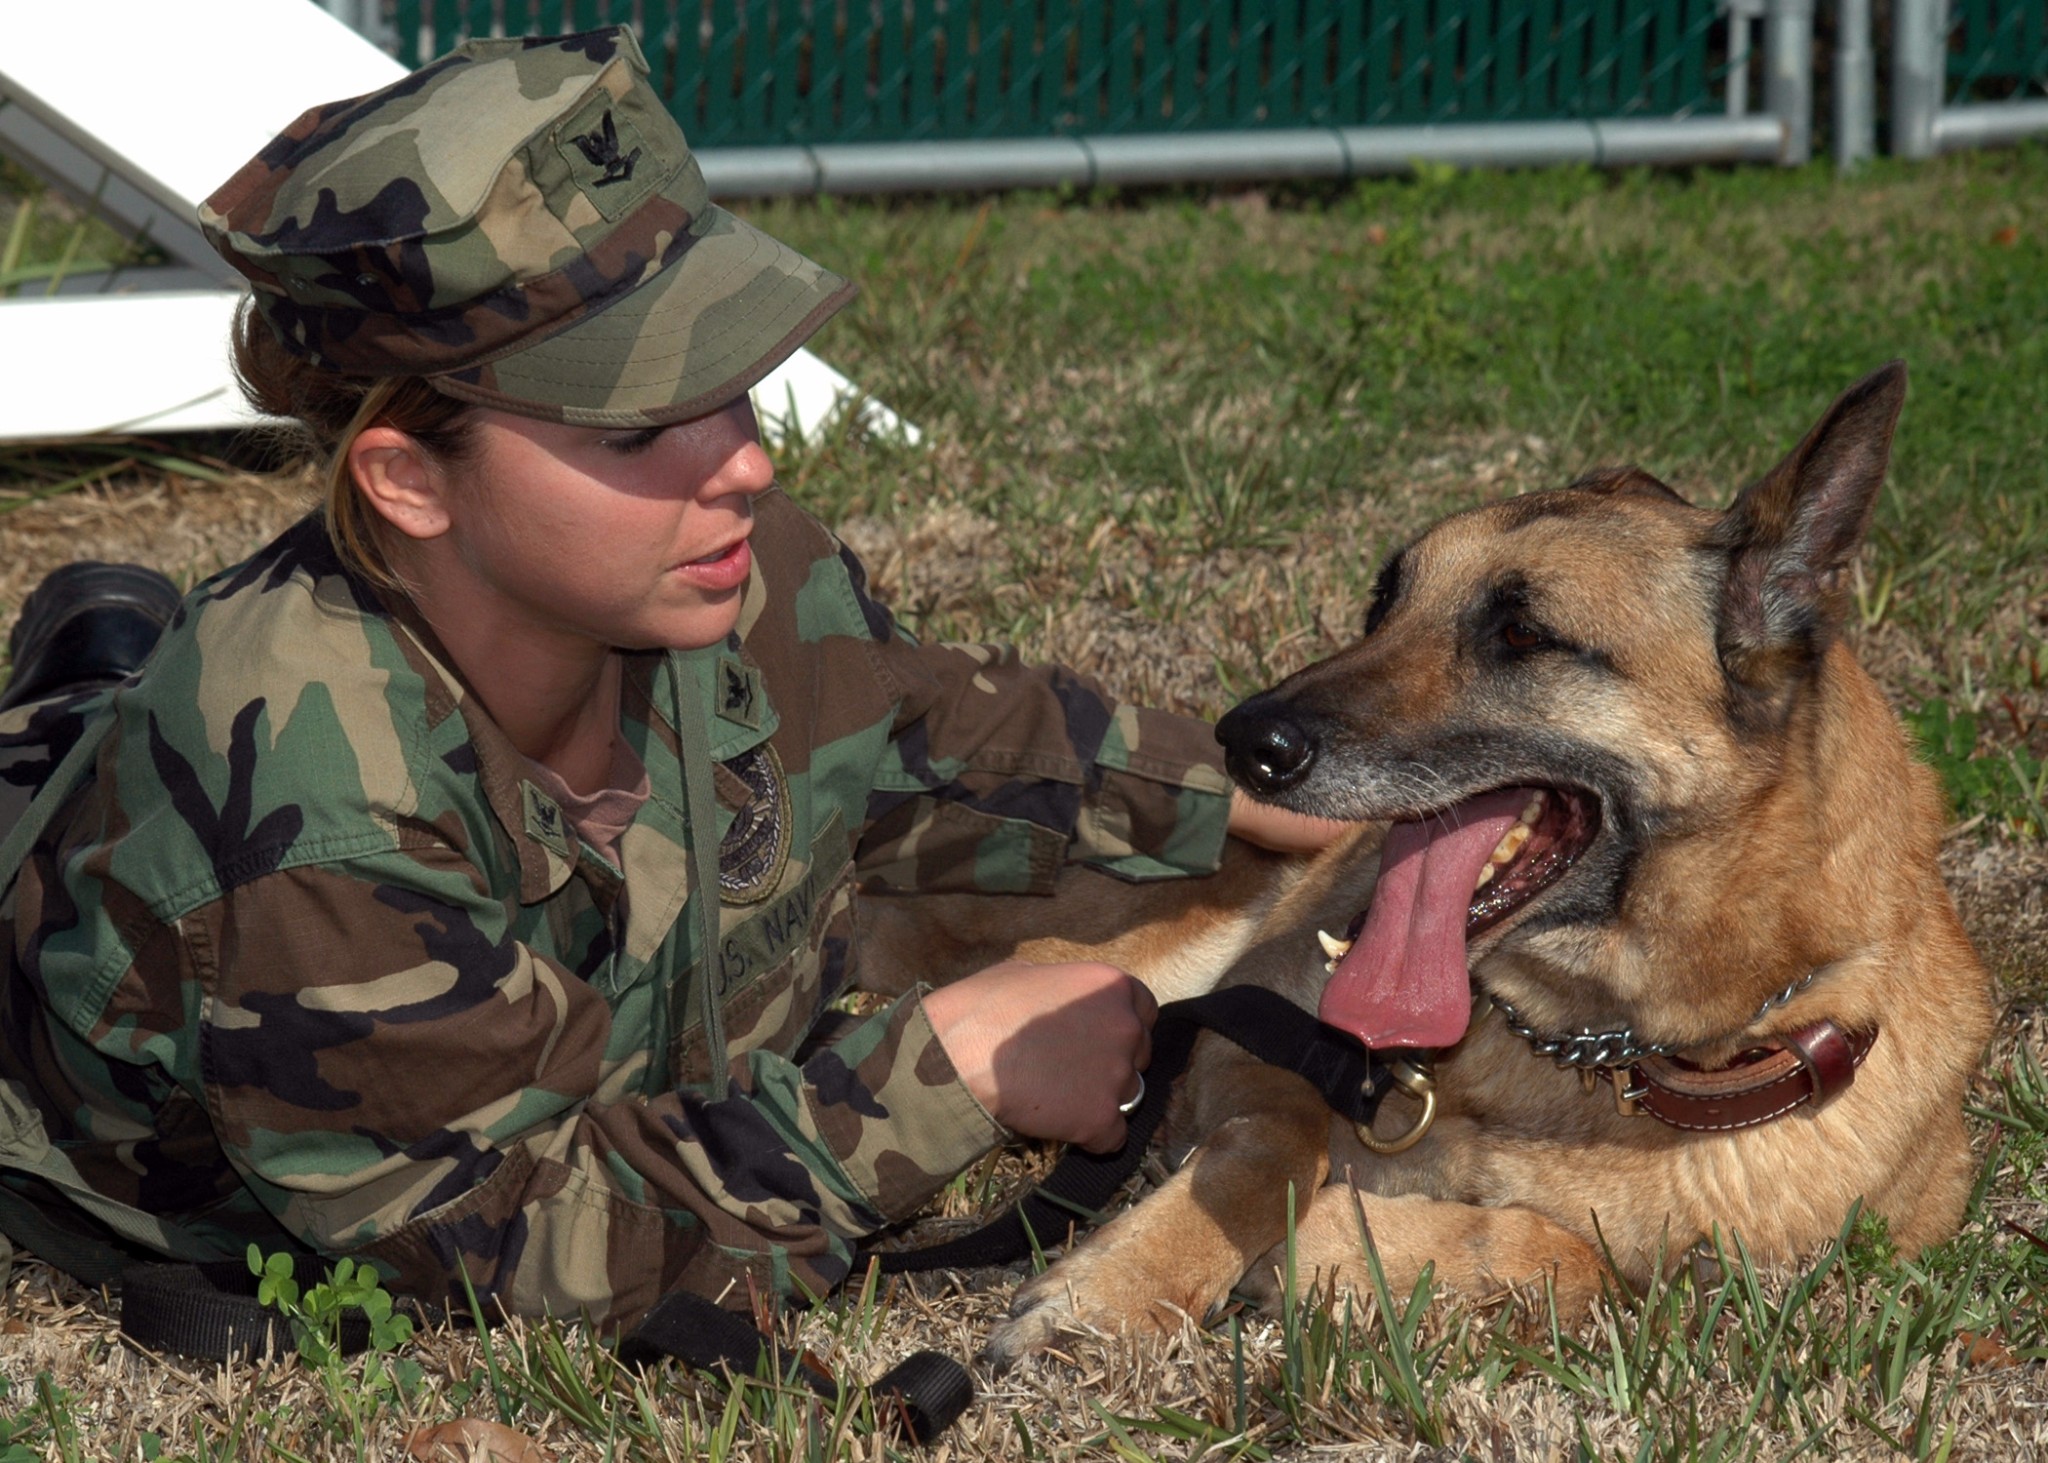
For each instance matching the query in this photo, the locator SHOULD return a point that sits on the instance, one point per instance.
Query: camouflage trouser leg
(34, 738)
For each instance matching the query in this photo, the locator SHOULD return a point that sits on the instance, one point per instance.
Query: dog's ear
(1792, 535)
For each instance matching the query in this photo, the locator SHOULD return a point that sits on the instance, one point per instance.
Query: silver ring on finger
(1127, 1108)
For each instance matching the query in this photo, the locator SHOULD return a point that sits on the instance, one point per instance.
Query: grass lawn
(1168, 439)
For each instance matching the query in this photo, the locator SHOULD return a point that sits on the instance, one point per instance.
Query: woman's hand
(1049, 1050)
(1278, 829)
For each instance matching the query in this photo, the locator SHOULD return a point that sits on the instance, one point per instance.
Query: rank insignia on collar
(736, 691)
(755, 849)
(544, 820)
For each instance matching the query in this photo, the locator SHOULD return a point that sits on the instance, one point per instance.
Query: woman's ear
(407, 488)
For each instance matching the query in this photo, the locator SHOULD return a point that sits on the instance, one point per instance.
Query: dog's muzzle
(1264, 750)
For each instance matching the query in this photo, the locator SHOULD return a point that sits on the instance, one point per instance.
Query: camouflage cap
(522, 223)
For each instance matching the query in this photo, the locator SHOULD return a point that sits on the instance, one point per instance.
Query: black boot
(86, 625)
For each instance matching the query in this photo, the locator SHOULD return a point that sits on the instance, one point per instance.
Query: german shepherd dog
(1645, 864)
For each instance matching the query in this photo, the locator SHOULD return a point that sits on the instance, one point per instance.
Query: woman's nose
(745, 466)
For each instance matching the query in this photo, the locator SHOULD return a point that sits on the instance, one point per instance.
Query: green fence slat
(1278, 101)
(921, 99)
(863, 108)
(1019, 78)
(1413, 52)
(1511, 23)
(1218, 76)
(1575, 40)
(1631, 39)
(1349, 64)
(886, 68)
(406, 21)
(1379, 94)
(1250, 51)
(1539, 70)
(1475, 63)
(1593, 56)
(781, 46)
(991, 48)
(1153, 75)
(1191, 27)
(1055, 56)
(1080, 93)
(1318, 69)
(843, 33)
(1659, 58)
(1122, 45)
(447, 27)
(1448, 41)
(954, 78)
(1694, 94)
(1966, 22)
(757, 52)
(821, 72)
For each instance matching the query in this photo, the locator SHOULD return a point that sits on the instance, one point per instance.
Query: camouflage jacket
(309, 958)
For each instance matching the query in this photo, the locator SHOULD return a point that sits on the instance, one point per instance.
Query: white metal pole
(1855, 77)
(1919, 73)
(1788, 75)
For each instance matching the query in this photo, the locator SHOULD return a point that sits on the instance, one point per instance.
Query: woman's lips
(726, 569)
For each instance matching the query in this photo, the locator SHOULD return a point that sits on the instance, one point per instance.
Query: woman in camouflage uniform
(377, 920)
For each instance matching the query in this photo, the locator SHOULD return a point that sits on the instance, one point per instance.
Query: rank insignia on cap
(605, 153)
(738, 692)
(602, 148)
(544, 821)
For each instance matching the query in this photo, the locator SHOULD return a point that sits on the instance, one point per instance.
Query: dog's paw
(1038, 1314)
(1101, 1287)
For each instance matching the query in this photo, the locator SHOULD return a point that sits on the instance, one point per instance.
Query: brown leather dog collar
(1814, 1064)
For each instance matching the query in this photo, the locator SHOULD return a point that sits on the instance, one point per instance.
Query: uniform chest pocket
(781, 957)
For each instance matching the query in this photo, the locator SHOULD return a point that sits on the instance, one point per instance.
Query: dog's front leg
(1477, 1250)
(1181, 1249)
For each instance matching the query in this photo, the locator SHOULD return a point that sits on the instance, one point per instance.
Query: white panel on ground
(104, 364)
(171, 99)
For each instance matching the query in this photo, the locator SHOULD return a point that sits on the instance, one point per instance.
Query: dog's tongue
(1404, 981)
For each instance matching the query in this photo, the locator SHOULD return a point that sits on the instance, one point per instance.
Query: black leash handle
(210, 1312)
(1266, 1024)
(922, 1394)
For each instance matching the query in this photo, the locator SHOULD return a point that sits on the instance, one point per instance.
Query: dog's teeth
(1510, 844)
(1534, 810)
(1485, 877)
(1332, 946)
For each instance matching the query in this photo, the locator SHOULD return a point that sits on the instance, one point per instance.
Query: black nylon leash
(211, 1312)
(922, 1394)
(1266, 1024)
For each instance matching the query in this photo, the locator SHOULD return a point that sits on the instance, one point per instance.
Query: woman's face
(634, 538)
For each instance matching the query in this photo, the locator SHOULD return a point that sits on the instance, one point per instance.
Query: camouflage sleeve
(999, 772)
(391, 1082)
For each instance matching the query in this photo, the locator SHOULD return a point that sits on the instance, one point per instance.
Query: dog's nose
(1264, 750)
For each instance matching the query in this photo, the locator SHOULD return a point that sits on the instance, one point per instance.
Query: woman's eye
(1518, 636)
(632, 442)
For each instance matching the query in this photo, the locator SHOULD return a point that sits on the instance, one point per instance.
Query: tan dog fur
(1767, 822)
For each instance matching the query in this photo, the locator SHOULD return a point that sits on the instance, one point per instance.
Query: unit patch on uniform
(755, 849)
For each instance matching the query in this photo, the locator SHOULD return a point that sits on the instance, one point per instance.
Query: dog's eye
(1518, 636)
